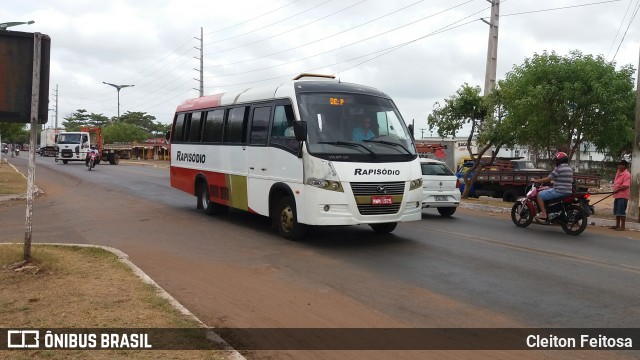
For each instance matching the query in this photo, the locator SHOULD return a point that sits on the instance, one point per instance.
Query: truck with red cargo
(507, 178)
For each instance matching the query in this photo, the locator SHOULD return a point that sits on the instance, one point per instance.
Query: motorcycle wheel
(521, 215)
(576, 220)
(91, 164)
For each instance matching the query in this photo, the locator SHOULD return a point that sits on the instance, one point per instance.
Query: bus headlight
(326, 184)
(415, 184)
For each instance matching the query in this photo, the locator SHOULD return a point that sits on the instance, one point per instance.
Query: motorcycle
(93, 158)
(571, 211)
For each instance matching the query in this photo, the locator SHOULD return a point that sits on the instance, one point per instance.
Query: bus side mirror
(300, 130)
(410, 127)
(167, 136)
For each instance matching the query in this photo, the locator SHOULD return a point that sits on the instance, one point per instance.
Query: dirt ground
(83, 288)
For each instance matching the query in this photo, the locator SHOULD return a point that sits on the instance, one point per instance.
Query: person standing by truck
(621, 193)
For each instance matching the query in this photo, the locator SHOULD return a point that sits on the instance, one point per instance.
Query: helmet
(561, 158)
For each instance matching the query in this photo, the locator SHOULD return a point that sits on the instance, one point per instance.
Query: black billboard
(16, 75)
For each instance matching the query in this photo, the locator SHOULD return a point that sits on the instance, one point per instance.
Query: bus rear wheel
(207, 206)
(286, 219)
(384, 228)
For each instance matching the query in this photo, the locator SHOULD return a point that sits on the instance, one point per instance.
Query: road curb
(124, 258)
(141, 163)
(594, 221)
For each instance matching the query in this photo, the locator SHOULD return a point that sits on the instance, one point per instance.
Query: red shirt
(623, 178)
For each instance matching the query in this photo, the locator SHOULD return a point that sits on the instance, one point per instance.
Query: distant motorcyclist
(562, 177)
(92, 150)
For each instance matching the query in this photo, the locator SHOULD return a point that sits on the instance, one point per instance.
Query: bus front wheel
(286, 219)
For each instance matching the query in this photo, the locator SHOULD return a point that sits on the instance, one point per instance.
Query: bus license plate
(441, 198)
(381, 200)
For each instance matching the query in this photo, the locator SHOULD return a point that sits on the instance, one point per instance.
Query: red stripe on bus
(204, 102)
(184, 179)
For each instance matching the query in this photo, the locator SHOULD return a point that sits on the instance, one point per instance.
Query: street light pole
(118, 87)
(4, 26)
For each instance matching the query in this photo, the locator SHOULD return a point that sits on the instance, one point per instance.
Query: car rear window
(435, 169)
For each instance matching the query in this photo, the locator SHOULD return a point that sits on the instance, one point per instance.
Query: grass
(11, 181)
(83, 287)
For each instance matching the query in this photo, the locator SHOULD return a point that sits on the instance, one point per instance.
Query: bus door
(259, 170)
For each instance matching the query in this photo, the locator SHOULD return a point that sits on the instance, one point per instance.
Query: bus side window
(236, 125)
(187, 127)
(282, 129)
(213, 126)
(282, 122)
(178, 127)
(195, 127)
(260, 125)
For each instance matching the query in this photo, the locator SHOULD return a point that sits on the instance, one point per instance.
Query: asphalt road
(471, 270)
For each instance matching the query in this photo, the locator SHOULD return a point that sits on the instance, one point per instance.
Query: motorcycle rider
(562, 177)
(92, 150)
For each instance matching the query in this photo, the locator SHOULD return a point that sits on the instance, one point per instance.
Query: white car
(439, 187)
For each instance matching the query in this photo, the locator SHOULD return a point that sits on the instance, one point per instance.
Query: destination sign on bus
(336, 101)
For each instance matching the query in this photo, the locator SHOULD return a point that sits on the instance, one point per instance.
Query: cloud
(151, 44)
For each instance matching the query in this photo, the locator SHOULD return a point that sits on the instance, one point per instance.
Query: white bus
(296, 154)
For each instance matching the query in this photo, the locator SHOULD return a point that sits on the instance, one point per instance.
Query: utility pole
(492, 49)
(201, 58)
(56, 126)
(635, 161)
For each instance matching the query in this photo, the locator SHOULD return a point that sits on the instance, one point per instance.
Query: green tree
(123, 133)
(559, 102)
(160, 129)
(13, 132)
(485, 115)
(139, 119)
(82, 118)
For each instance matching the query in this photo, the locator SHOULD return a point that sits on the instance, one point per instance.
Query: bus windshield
(69, 138)
(354, 125)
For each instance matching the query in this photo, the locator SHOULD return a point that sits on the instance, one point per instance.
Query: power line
(383, 51)
(266, 26)
(321, 53)
(293, 29)
(619, 27)
(255, 18)
(560, 8)
(136, 100)
(625, 31)
(350, 29)
(288, 76)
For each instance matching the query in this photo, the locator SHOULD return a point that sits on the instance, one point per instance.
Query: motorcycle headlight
(415, 184)
(326, 184)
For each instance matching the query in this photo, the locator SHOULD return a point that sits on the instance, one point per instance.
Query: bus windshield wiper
(347, 143)
(389, 143)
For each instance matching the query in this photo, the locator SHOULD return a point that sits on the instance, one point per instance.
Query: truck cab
(72, 146)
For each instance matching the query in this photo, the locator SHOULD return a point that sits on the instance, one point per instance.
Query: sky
(419, 52)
